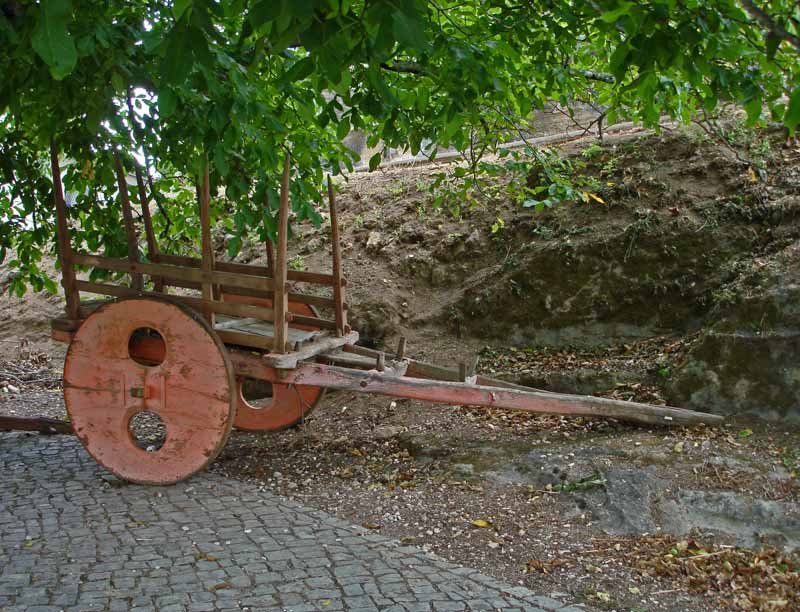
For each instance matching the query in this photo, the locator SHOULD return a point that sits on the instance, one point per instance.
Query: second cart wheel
(262, 406)
(155, 416)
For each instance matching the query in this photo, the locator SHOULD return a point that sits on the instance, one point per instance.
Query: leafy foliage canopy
(246, 80)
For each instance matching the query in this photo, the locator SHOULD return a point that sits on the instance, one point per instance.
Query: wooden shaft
(338, 289)
(280, 301)
(207, 259)
(459, 394)
(127, 215)
(71, 293)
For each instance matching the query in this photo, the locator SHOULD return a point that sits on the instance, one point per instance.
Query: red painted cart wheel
(155, 418)
(282, 406)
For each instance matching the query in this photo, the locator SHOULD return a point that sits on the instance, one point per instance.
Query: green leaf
(51, 38)
(303, 9)
(234, 246)
(264, 11)
(612, 16)
(179, 7)
(772, 44)
(409, 31)
(117, 82)
(792, 117)
(178, 57)
(300, 70)
(167, 101)
(374, 161)
(343, 129)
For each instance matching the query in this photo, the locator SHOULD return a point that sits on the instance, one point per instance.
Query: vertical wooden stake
(127, 216)
(207, 261)
(62, 234)
(401, 348)
(462, 372)
(268, 244)
(338, 289)
(150, 235)
(280, 296)
(270, 258)
(473, 365)
(380, 362)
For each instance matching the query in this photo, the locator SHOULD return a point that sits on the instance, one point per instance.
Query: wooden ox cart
(184, 357)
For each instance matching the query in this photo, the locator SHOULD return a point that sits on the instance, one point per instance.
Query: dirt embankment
(686, 233)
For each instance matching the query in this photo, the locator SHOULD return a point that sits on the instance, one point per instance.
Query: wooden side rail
(302, 298)
(316, 278)
(195, 275)
(232, 309)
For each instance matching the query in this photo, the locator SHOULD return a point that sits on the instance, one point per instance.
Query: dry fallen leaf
(481, 523)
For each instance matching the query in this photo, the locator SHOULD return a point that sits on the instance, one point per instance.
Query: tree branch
(593, 75)
(774, 28)
(405, 67)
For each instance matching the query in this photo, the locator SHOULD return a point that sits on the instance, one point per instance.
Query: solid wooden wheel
(281, 406)
(181, 388)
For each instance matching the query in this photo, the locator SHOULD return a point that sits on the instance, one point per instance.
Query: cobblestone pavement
(73, 538)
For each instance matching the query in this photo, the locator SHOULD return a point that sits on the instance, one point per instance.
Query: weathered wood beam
(280, 300)
(315, 278)
(41, 424)
(207, 248)
(71, 294)
(191, 274)
(460, 394)
(338, 290)
(233, 309)
(127, 217)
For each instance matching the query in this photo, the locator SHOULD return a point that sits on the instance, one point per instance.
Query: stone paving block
(205, 545)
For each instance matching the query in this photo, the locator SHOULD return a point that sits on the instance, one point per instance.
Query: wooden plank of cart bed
(288, 361)
(227, 308)
(244, 339)
(161, 269)
(431, 371)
